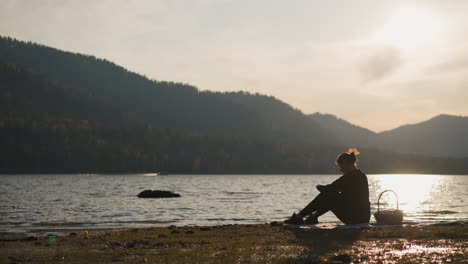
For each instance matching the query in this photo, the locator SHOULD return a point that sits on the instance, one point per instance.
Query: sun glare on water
(414, 191)
(410, 28)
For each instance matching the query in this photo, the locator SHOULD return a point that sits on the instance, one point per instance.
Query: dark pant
(332, 201)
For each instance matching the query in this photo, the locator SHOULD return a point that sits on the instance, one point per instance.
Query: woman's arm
(335, 186)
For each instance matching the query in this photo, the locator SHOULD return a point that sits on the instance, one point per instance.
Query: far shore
(257, 243)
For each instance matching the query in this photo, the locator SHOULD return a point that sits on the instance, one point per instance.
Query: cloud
(379, 63)
(315, 55)
(454, 64)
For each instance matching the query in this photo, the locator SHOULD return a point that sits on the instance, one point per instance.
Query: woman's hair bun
(353, 151)
(348, 156)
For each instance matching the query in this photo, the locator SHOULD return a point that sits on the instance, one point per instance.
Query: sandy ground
(264, 243)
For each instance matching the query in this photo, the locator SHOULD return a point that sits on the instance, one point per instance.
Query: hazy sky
(377, 64)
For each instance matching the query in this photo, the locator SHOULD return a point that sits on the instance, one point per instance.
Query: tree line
(48, 127)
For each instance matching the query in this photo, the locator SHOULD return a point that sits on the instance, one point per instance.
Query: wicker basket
(389, 217)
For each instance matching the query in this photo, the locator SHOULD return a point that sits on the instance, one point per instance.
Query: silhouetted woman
(347, 197)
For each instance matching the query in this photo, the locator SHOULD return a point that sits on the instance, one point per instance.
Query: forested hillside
(167, 104)
(76, 124)
(349, 134)
(50, 127)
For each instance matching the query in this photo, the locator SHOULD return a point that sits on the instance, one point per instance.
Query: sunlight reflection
(414, 191)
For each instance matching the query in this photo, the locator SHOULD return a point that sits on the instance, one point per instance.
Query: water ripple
(102, 200)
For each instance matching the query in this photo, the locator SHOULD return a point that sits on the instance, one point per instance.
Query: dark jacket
(352, 204)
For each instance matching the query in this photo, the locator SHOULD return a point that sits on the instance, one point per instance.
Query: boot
(294, 220)
(311, 220)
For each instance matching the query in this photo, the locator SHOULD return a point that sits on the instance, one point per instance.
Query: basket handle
(378, 201)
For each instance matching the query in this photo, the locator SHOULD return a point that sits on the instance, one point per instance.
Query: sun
(410, 28)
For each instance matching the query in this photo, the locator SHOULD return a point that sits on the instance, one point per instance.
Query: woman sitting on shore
(347, 197)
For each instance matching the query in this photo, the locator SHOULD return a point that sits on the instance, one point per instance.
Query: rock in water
(157, 194)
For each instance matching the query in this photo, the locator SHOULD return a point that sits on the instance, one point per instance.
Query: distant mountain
(167, 104)
(26, 94)
(283, 119)
(62, 112)
(49, 127)
(347, 133)
(442, 136)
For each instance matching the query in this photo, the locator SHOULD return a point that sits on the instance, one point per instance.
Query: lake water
(37, 204)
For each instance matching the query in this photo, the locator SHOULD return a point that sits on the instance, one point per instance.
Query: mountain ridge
(89, 58)
(184, 107)
(168, 104)
(441, 135)
(188, 87)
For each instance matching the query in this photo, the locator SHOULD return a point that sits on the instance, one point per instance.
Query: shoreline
(21, 232)
(246, 243)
